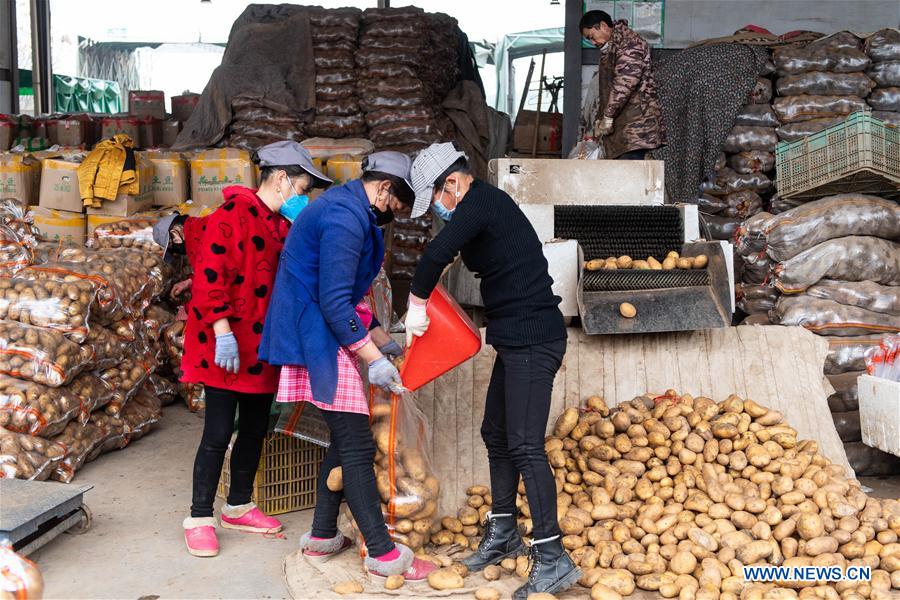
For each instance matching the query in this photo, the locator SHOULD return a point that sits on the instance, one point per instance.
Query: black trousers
(353, 449)
(515, 420)
(633, 155)
(218, 425)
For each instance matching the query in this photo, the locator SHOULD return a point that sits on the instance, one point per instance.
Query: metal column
(572, 74)
(42, 66)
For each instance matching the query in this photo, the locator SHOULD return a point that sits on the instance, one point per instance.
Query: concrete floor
(135, 548)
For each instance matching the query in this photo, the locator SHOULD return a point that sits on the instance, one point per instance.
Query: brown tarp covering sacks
(263, 60)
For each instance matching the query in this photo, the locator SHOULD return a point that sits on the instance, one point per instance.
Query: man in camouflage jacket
(629, 117)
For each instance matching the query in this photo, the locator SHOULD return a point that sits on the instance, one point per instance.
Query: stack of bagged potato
(79, 337)
(676, 494)
(883, 48)
(833, 267)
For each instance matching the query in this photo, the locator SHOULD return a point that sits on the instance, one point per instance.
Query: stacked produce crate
(80, 338)
(833, 267)
(883, 48)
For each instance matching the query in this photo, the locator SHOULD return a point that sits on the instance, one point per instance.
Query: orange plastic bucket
(451, 339)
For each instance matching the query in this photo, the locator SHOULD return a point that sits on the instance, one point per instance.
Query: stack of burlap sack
(883, 49)
(833, 267)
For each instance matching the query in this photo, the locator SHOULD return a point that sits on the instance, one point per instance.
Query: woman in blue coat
(313, 329)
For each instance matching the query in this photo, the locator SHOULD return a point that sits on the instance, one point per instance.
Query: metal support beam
(42, 66)
(13, 60)
(572, 74)
(384, 3)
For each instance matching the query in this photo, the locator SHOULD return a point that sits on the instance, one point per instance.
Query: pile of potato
(415, 488)
(676, 494)
(467, 528)
(672, 261)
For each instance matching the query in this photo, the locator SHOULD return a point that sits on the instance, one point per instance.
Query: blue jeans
(515, 419)
(353, 449)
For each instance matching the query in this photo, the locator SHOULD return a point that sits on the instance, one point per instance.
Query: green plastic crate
(860, 155)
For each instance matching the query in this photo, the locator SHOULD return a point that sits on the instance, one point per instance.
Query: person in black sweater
(525, 326)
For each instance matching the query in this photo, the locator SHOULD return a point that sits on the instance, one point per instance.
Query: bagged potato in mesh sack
(37, 354)
(103, 349)
(753, 161)
(109, 302)
(755, 299)
(58, 304)
(846, 391)
(888, 118)
(792, 232)
(731, 181)
(761, 92)
(23, 456)
(15, 253)
(851, 258)
(742, 139)
(847, 354)
(128, 233)
(78, 440)
(163, 389)
(885, 99)
(719, 228)
(797, 131)
(116, 436)
(742, 204)
(757, 115)
(827, 317)
(752, 238)
(126, 379)
(35, 409)
(825, 84)
(885, 74)
(141, 415)
(711, 205)
(864, 294)
(757, 271)
(194, 396)
(791, 109)
(334, 59)
(847, 426)
(793, 61)
(883, 45)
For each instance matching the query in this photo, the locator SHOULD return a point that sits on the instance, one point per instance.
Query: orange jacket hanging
(109, 170)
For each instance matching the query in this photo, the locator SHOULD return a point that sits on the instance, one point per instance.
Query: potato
(602, 592)
(642, 265)
(619, 580)
(487, 593)
(508, 564)
(335, 481)
(810, 525)
(348, 587)
(624, 262)
(683, 562)
(394, 582)
(468, 515)
(445, 579)
(595, 265)
(461, 569)
(566, 422)
(491, 573)
(654, 264)
(820, 545)
(700, 262)
(669, 263)
(684, 263)
(452, 525)
(627, 310)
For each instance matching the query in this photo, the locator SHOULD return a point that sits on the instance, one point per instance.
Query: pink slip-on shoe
(200, 536)
(413, 569)
(247, 517)
(321, 550)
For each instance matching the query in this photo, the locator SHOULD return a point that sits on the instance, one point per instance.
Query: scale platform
(32, 513)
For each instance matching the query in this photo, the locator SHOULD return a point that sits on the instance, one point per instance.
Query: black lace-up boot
(552, 570)
(501, 540)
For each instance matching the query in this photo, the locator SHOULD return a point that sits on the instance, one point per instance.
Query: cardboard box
(17, 177)
(170, 178)
(59, 185)
(549, 133)
(150, 132)
(126, 205)
(8, 132)
(184, 105)
(343, 168)
(214, 170)
(147, 103)
(195, 210)
(170, 130)
(67, 132)
(60, 225)
(125, 124)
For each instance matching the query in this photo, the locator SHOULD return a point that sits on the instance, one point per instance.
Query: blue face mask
(441, 211)
(293, 205)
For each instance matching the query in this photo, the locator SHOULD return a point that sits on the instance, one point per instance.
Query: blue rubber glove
(385, 375)
(227, 353)
(392, 350)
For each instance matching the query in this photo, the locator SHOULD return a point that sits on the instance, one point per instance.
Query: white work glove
(385, 375)
(416, 322)
(227, 356)
(603, 126)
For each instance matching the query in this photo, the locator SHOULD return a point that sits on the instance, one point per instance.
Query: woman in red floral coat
(234, 269)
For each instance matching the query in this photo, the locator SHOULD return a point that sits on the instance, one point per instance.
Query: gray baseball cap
(392, 163)
(161, 233)
(428, 166)
(289, 152)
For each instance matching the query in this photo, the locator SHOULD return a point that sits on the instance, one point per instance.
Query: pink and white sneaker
(413, 569)
(247, 517)
(200, 536)
(321, 550)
